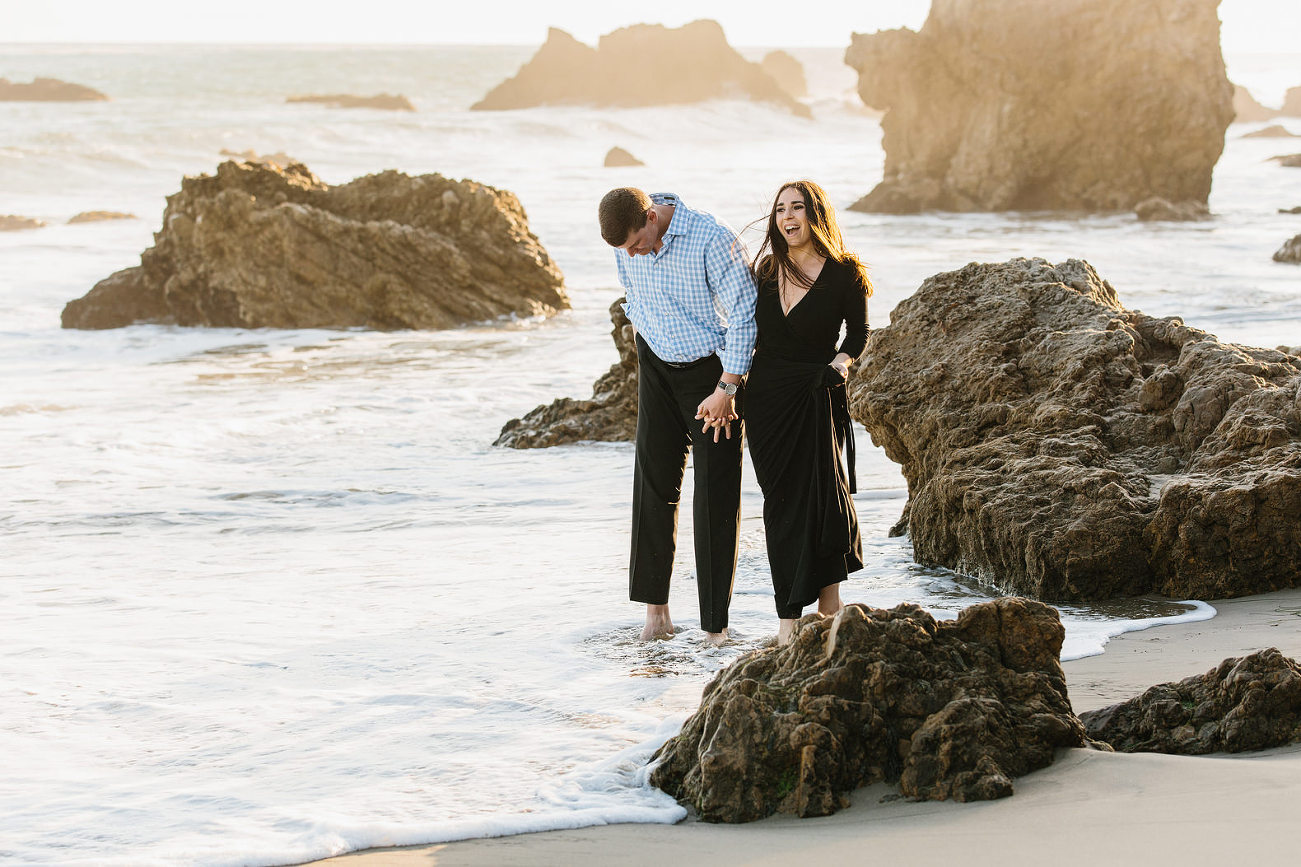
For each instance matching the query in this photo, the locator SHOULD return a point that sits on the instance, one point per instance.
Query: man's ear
(651, 215)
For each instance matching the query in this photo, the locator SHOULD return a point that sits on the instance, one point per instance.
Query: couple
(703, 319)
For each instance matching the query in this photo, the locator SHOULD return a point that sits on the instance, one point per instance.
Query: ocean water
(273, 595)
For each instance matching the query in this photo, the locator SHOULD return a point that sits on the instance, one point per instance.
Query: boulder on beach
(100, 216)
(952, 709)
(1247, 703)
(1290, 252)
(1275, 131)
(1247, 110)
(48, 90)
(1088, 105)
(786, 71)
(610, 416)
(1292, 102)
(1155, 209)
(15, 223)
(642, 65)
(618, 157)
(279, 158)
(262, 247)
(385, 101)
(1060, 446)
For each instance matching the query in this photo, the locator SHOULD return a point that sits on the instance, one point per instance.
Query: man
(690, 298)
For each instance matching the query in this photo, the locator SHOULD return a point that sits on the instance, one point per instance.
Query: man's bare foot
(785, 631)
(716, 639)
(658, 623)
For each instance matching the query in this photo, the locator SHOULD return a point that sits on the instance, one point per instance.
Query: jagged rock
(1246, 109)
(1062, 446)
(949, 710)
(48, 90)
(692, 63)
(1025, 105)
(1292, 102)
(610, 416)
(15, 223)
(262, 247)
(786, 71)
(618, 157)
(386, 101)
(1275, 131)
(1290, 251)
(100, 216)
(1290, 161)
(279, 158)
(1289, 350)
(1296, 210)
(1247, 703)
(1159, 209)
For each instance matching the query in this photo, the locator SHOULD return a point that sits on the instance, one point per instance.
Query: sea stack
(48, 90)
(1060, 446)
(257, 246)
(1081, 105)
(692, 63)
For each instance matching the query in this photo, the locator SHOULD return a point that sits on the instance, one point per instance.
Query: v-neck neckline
(786, 313)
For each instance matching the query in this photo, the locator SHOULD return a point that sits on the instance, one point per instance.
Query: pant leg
(661, 457)
(717, 499)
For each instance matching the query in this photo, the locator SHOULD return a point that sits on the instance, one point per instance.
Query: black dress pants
(667, 398)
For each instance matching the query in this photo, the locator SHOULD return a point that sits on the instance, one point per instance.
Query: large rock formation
(1246, 109)
(48, 90)
(786, 71)
(1020, 105)
(1156, 210)
(610, 416)
(385, 101)
(1290, 251)
(647, 64)
(949, 710)
(261, 247)
(1292, 102)
(1058, 444)
(1250, 703)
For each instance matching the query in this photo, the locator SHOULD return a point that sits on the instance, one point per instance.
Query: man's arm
(730, 280)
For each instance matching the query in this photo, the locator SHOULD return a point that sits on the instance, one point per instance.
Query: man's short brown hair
(623, 211)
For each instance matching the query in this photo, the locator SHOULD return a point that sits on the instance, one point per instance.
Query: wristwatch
(729, 388)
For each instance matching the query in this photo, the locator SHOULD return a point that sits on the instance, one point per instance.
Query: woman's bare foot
(658, 623)
(716, 639)
(785, 631)
(829, 600)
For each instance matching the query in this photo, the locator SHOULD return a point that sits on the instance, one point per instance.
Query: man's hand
(718, 411)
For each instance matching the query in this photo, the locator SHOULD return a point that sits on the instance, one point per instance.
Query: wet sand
(1087, 808)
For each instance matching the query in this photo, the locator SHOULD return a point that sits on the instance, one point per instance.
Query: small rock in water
(100, 216)
(386, 101)
(14, 223)
(620, 157)
(1275, 131)
(1290, 252)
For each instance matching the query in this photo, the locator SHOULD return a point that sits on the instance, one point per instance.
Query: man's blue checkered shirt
(695, 297)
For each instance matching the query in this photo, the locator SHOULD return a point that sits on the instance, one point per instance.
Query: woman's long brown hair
(824, 231)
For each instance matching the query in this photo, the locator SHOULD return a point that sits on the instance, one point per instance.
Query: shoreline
(1087, 807)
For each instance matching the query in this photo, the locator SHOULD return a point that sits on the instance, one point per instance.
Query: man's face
(642, 241)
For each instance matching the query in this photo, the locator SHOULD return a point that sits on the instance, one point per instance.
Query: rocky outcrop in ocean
(1275, 131)
(1060, 446)
(1025, 105)
(642, 65)
(1246, 109)
(257, 246)
(1290, 252)
(48, 90)
(610, 416)
(1154, 209)
(1292, 102)
(1288, 161)
(954, 709)
(15, 223)
(384, 101)
(617, 157)
(786, 71)
(100, 217)
(1247, 703)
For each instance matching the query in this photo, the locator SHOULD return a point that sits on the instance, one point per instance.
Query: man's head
(628, 220)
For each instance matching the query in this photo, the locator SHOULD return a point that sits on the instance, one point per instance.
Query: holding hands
(718, 411)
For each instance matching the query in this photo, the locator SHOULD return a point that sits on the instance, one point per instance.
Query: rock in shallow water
(1021, 104)
(1059, 445)
(1290, 252)
(952, 709)
(1247, 703)
(258, 246)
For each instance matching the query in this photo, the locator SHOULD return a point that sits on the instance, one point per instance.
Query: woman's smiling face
(792, 218)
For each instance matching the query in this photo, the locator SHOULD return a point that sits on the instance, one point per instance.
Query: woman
(796, 412)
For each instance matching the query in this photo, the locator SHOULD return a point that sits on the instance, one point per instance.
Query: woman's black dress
(797, 423)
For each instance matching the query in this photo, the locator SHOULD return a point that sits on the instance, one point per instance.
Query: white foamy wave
(1087, 634)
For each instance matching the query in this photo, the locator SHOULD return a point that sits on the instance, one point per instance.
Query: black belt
(686, 365)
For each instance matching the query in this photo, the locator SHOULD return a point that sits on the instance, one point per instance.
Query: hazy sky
(1249, 25)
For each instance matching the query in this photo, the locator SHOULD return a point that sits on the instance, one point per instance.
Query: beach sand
(1087, 808)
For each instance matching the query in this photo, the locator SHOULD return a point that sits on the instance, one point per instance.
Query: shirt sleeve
(732, 284)
(854, 309)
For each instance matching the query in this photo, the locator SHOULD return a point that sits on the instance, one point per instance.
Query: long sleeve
(732, 285)
(854, 309)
